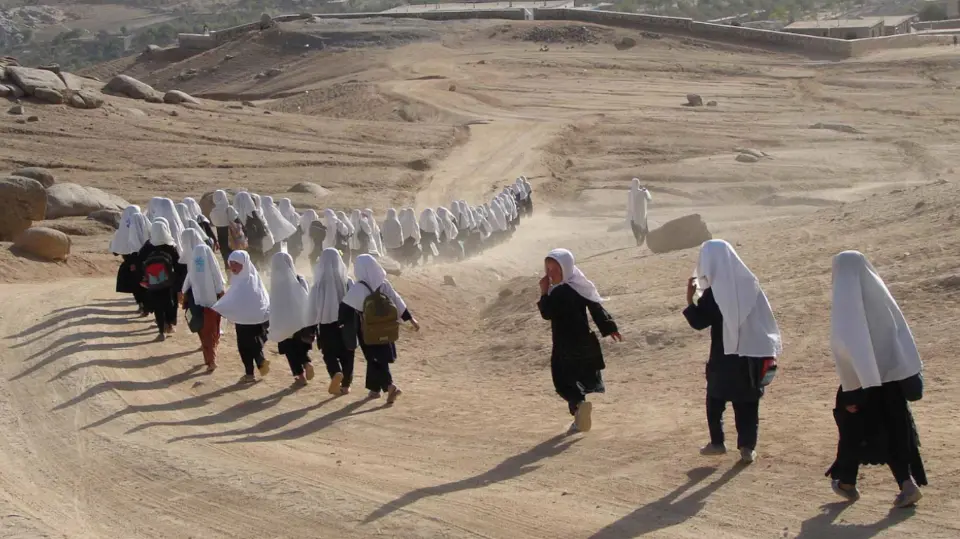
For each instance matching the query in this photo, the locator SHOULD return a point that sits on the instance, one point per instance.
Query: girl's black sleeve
(700, 314)
(601, 318)
(547, 306)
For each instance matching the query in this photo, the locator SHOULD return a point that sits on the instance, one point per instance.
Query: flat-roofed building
(839, 28)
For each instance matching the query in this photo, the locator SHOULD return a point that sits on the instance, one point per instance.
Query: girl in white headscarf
(289, 324)
(745, 342)
(576, 361)
(295, 240)
(162, 274)
(528, 201)
(279, 226)
(259, 238)
(165, 209)
(392, 235)
(429, 234)
(332, 224)
(330, 315)
(183, 212)
(288, 211)
(637, 200)
(345, 233)
(221, 221)
(450, 244)
(189, 239)
(190, 224)
(247, 305)
(362, 240)
(127, 241)
(499, 221)
(371, 277)
(880, 371)
(411, 251)
(193, 209)
(313, 234)
(202, 288)
(376, 236)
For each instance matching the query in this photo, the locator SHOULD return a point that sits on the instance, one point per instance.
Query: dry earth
(109, 435)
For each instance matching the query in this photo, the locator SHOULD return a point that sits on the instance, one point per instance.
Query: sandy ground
(109, 435)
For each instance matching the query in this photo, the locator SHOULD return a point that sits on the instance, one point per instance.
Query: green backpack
(380, 323)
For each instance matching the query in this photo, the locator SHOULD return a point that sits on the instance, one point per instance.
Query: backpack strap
(366, 285)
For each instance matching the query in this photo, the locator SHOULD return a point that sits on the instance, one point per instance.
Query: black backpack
(255, 230)
(158, 270)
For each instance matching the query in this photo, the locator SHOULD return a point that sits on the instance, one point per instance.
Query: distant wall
(937, 25)
(718, 32)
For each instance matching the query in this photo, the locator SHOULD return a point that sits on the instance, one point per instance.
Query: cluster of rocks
(33, 194)
(47, 84)
(127, 86)
(749, 155)
(268, 74)
(561, 34)
(695, 100)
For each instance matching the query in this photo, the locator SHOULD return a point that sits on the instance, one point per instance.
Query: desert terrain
(108, 434)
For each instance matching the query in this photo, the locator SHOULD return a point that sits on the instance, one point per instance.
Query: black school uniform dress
(730, 378)
(251, 338)
(128, 279)
(881, 431)
(576, 360)
(378, 356)
(297, 349)
(163, 303)
(338, 343)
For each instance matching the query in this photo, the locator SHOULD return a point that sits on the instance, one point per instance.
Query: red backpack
(158, 271)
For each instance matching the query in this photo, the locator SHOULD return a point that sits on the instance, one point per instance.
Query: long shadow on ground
(669, 510)
(313, 426)
(824, 524)
(76, 317)
(267, 425)
(137, 363)
(513, 467)
(120, 385)
(78, 348)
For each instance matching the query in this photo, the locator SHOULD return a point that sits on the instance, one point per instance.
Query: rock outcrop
(44, 243)
(683, 233)
(131, 87)
(72, 200)
(22, 201)
(42, 175)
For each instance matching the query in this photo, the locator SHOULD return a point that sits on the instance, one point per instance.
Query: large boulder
(72, 200)
(683, 233)
(30, 79)
(309, 188)
(107, 217)
(22, 201)
(71, 81)
(44, 243)
(176, 97)
(130, 87)
(206, 201)
(42, 175)
(49, 95)
(85, 99)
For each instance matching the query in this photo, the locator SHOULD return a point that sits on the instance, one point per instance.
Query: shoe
(211, 367)
(582, 419)
(747, 455)
(335, 382)
(373, 395)
(393, 392)
(573, 429)
(264, 368)
(345, 390)
(849, 493)
(909, 495)
(247, 379)
(308, 371)
(713, 450)
(299, 381)
(161, 337)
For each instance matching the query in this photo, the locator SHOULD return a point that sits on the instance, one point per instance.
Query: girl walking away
(295, 241)
(637, 200)
(126, 243)
(362, 241)
(279, 226)
(259, 239)
(576, 360)
(411, 252)
(744, 342)
(393, 235)
(429, 234)
(247, 305)
(375, 234)
(880, 371)
(221, 222)
(162, 276)
(202, 288)
(311, 233)
(288, 317)
(336, 322)
(380, 309)
(345, 233)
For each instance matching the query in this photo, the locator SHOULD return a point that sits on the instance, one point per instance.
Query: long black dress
(576, 360)
(128, 280)
(163, 303)
(378, 356)
(881, 431)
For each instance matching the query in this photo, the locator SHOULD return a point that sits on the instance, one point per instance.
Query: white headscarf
(160, 233)
(232, 214)
(192, 224)
(573, 277)
(306, 220)
(279, 226)
(193, 209)
(189, 239)
(204, 276)
(120, 243)
(244, 205)
(637, 200)
(139, 232)
(288, 211)
(392, 231)
(166, 210)
(446, 221)
(368, 270)
(409, 224)
(246, 301)
(359, 224)
(521, 188)
(152, 207)
(482, 223)
(375, 236)
(871, 341)
(256, 201)
(183, 211)
(218, 215)
(499, 221)
(429, 222)
(288, 299)
(332, 223)
(749, 328)
(345, 225)
(330, 284)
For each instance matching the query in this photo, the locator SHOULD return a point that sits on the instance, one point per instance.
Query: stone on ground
(130, 87)
(48, 95)
(694, 100)
(43, 243)
(107, 217)
(683, 233)
(72, 200)
(85, 99)
(747, 158)
(309, 188)
(176, 97)
(29, 79)
(42, 175)
(22, 201)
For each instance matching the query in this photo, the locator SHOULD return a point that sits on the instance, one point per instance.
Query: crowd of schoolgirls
(875, 354)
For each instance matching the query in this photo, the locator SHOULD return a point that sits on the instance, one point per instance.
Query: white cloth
(573, 277)
(330, 284)
(392, 231)
(749, 328)
(256, 201)
(279, 226)
(244, 205)
(166, 210)
(306, 220)
(375, 236)
(160, 233)
(121, 243)
(522, 188)
(409, 224)
(192, 224)
(359, 224)
(483, 224)
(218, 215)
(189, 240)
(232, 214)
(183, 211)
(288, 211)
(246, 301)
(871, 340)
(499, 220)
(637, 200)
(369, 271)
(139, 232)
(346, 226)
(152, 207)
(204, 276)
(288, 299)
(193, 209)
(449, 228)
(429, 222)
(332, 223)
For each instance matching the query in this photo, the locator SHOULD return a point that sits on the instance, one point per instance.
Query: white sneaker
(747, 455)
(909, 495)
(582, 419)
